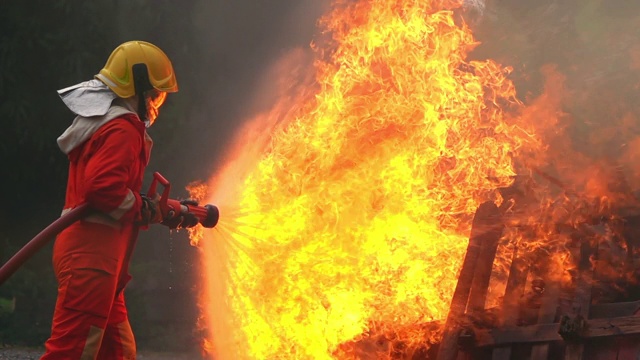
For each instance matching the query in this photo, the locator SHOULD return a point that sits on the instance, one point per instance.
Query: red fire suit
(91, 257)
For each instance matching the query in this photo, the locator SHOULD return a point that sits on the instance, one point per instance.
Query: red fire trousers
(90, 320)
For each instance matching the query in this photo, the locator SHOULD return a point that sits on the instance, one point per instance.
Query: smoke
(278, 93)
(476, 5)
(267, 69)
(272, 69)
(593, 45)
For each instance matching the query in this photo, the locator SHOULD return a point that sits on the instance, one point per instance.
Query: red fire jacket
(106, 171)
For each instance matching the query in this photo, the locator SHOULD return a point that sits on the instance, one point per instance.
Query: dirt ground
(17, 353)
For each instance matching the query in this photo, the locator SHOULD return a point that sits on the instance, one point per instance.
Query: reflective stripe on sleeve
(125, 206)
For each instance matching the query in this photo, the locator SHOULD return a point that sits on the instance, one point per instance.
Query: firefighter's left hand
(150, 210)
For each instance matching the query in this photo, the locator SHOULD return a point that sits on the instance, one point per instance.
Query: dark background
(219, 50)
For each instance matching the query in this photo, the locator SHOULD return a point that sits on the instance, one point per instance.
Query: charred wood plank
(484, 224)
(486, 258)
(515, 288)
(595, 328)
(517, 335)
(626, 325)
(612, 310)
(582, 296)
(546, 315)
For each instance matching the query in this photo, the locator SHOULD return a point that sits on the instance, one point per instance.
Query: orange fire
(347, 208)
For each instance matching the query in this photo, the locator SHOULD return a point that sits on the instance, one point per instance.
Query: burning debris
(551, 307)
(405, 202)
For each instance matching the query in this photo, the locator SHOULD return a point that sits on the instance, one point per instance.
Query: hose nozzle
(207, 215)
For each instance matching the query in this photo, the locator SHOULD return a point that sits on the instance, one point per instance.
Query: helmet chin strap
(143, 114)
(141, 84)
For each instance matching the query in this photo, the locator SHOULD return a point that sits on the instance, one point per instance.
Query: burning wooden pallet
(542, 322)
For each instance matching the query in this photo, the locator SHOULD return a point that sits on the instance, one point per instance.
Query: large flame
(355, 216)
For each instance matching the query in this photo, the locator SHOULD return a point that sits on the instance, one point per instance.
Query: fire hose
(207, 215)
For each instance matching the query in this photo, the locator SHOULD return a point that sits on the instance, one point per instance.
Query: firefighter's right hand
(185, 219)
(150, 210)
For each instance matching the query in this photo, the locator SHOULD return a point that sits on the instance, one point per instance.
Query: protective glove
(185, 220)
(150, 210)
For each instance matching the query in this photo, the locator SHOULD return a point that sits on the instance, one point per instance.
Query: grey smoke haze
(224, 83)
(240, 41)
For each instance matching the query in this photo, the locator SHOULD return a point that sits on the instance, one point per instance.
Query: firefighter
(108, 149)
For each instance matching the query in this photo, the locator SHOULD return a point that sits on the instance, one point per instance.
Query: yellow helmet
(122, 72)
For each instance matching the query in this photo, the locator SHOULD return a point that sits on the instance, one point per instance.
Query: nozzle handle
(158, 178)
